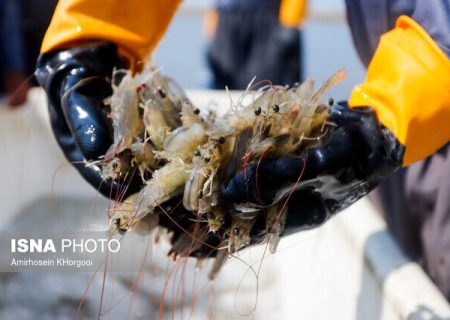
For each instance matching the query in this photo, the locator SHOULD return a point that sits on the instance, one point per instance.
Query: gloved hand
(77, 81)
(349, 162)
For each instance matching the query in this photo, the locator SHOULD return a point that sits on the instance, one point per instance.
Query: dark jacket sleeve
(369, 19)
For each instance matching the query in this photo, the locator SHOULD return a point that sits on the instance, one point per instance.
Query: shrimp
(275, 223)
(185, 140)
(122, 219)
(165, 93)
(170, 179)
(143, 156)
(166, 183)
(310, 116)
(178, 150)
(216, 219)
(239, 118)
(239, 234)
(190, 114)
(116, 167)
(287, 116)
(126, 120)
(200, 182)
(219, 261)
(155, 123)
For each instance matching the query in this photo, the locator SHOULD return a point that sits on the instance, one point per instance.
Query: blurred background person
(35, 17)
(22, 28)
(12, 68)
(255, 38)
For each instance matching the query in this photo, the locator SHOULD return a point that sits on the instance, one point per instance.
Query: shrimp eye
(161, 92)
(122, 230)
(197, 111)
(200, 194)
(236, 231)
(276, 108)
(221, 140)
(330, 101)
(207, 160)
(197, 153)
(258, 111)
(117, 221)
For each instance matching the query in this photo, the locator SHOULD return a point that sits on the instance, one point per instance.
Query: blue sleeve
(369, 19)
(11, 45)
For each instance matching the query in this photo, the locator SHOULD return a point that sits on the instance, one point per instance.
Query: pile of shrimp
(182, 154)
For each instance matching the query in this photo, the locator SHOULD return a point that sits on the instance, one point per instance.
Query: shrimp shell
(275, 223)
(165, 93)
(184, 140)
(125, 116)
(239, 233)
(216, 219)
(143, 156)
(155, 124)
(206, 163)
(219, 261)
(122, 219)
(195, 155)
(166, 183)
(189, 114)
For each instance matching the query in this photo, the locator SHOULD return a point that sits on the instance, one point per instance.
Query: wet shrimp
(156, 126)
(239, 234)
(200, 184)
(219, 261)
(189, 114)
(125, 116)
(165, 93)
(166, 183)
(286, 117)
(185, 140)
(118, 166)
(311, 115)
(143, 156)
(216, 219)
(178, 150)
(122, 219)
(275, 223)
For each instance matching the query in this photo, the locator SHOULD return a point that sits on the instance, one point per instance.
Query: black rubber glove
(189, 235)
(77, 81)
(349, 162)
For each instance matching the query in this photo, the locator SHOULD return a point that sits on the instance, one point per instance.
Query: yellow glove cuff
(292, 13)
(408, 84)
(134, 26)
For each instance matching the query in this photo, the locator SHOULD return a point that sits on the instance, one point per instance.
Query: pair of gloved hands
(351, 160)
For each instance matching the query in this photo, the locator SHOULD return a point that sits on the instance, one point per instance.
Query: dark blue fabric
(250, 43)
(11, 46)
(369, 19)
(247, 4)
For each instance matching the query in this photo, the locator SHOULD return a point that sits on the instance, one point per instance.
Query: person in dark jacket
(22, 28)
(13, 82)
(255, 38)
(398, 117)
